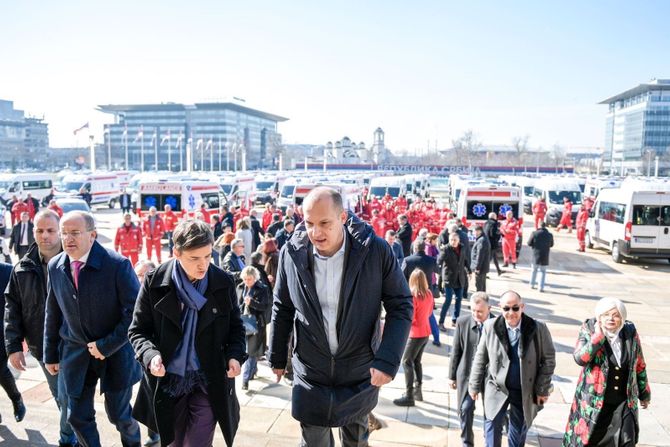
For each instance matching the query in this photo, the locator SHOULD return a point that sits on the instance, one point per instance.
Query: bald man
(341, 358)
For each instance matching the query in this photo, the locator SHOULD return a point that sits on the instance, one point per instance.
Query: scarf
(184, 368)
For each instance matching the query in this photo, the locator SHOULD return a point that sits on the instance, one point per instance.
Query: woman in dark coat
(452, 261)
(612, 381)
(271, 259)
(186, 332)
(255, 300)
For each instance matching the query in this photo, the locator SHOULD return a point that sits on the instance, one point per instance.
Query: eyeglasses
(513, 308)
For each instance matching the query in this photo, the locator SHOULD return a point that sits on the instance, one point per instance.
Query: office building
(23, 140)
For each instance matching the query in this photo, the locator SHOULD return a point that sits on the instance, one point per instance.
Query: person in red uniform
(53, 206)
(402, 203)
(580, 223)
(128, 240)
(33, 206)
(378, 224)
(375, 204)
(387, 199)
(510, 230)
(18, 208)
(171, 219)
(566, 217)
(153, 229)
(539, 211)
(205, 213)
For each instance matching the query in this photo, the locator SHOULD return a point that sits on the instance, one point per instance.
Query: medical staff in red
(171, 219)
(378, 224)
(153, 229)
(539, 211)
(580, 223)
(566, 217)
(510, 230)
(17, 209)
(128, 240)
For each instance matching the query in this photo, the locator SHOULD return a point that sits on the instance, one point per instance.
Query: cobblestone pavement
(575, 281)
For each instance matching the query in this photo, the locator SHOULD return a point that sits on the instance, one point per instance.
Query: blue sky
(424, 71)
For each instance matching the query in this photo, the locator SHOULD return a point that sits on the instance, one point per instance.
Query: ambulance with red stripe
(104, 187)
(184, 196)
(475, 202)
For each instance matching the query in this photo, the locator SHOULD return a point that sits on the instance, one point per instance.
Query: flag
(165, 138)
(199, 143)
(154, 137)
(76, 131)
(125, 131)
(140, 134)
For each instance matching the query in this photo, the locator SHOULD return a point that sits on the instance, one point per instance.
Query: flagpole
(189, 149)
(142, 149)
(126, 134)
(211, 155)
(235, 148)
(219, 152)
(92, 147)
(156, 149)
(227, 155)
(109, 149)
(180, 140)
(169, 158)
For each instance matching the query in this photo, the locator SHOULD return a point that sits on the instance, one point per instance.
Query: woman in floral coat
(613, 379)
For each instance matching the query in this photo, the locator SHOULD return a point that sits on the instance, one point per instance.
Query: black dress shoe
(19, 409)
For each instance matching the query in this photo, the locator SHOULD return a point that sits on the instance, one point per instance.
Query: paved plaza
(575, 281)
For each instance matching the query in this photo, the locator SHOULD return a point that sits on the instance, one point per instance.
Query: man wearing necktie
(466, 337)
(90, 300)
(512, 368)
(22, 236)
(234, 261)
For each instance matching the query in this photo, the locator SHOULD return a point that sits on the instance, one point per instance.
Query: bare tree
(465, 148)
(558, 154)
(521, 147)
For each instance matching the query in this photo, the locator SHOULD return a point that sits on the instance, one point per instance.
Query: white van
(553, 190)
(475, 202)
(394, 186)
(183, 195)
(593, 186)
(267, 187)
(104, 188)
(239, 188)
(527, 185)
(631, 222)
(37, 184)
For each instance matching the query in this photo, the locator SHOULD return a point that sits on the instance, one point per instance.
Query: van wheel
(616, 254)
(112, 203)
(589, 242)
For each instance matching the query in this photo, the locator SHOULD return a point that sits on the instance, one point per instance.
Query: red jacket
(171, 220)
(422, 310)
(540, 209)
(510, 229)
(205, 214)
(582, 217)
(159, 229)
(128, 239)
(18, 208)
(379, 225)
(57, 209)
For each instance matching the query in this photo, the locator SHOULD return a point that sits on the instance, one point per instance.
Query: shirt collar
(82, 259)
(337, 253)
(510, 328)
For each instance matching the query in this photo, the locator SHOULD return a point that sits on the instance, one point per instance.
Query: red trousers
(133, 256)
(509, 250)
(153, 245)
(565, 221)
(581, 237)
(538, 219)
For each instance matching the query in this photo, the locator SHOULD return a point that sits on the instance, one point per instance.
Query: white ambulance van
(183, 195)
(554, 190)
(104, 187)
(632, 221)
(21, 184)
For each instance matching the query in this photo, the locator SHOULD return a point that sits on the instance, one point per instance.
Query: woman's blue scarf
(184, 368)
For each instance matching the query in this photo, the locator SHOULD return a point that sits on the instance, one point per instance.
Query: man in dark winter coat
(256, 229)
(404, 235)
(541, 240)
(481, 258)
(420, 260)
(25, 300)
(334, 276)
(492, 231)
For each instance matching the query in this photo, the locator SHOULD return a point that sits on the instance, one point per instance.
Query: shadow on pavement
(35, 439)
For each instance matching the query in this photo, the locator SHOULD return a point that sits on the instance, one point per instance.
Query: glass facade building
(217, 133)
(24, 141)
(637, 125)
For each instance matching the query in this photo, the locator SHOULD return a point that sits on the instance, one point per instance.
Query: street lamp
(648, 152)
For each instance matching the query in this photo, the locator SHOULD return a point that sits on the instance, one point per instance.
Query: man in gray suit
(515, 359)
(466, 337)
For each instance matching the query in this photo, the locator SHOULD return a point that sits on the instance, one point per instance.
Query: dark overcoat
(100, 311)
(541, 242)
(453, 267)
(156, 329)
(334, 390)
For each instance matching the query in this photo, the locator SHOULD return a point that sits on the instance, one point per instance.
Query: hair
(402, 216)
(145, 262)
(419, 246)
(391, 233)
(235, 242)
(605, 304)
(215, 218)
(153, 208)
(418, 284)
(479, 297)
(228, 238)
(256, 257)
(243, 224)
(47, 213)
(250, 271)
(288, 222)
(192, 234)
(479, 228)
(453, 228)
(270, 246)
(543, 224)
(454, 236)
(275, 217)
(88, 218)
(423, 232)
(513, 292)
(493, 216)
(322, 192)
(431, 237)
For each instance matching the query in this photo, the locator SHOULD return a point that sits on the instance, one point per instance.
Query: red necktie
(76, 267)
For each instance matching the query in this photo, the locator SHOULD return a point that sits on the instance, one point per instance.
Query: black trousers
(494, 257)
(351, 435)
(7, 379)
(480, 282)
(411, 361)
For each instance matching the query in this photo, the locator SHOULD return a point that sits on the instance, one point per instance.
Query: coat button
(214, 310)
(616, 388)
(616, 377)
(617, 368)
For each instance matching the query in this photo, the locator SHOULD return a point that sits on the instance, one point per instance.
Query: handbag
(250, 324)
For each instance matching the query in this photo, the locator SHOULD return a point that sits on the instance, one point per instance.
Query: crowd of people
(320, 276)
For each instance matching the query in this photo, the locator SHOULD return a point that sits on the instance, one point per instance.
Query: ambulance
(104, 188)
(239, 188)
(183, 195)
(553, 190)
(475, 202)
(393, 186)
(267, 187)
(20, 185)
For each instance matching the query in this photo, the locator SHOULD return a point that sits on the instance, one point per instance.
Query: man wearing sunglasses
(515, 360)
